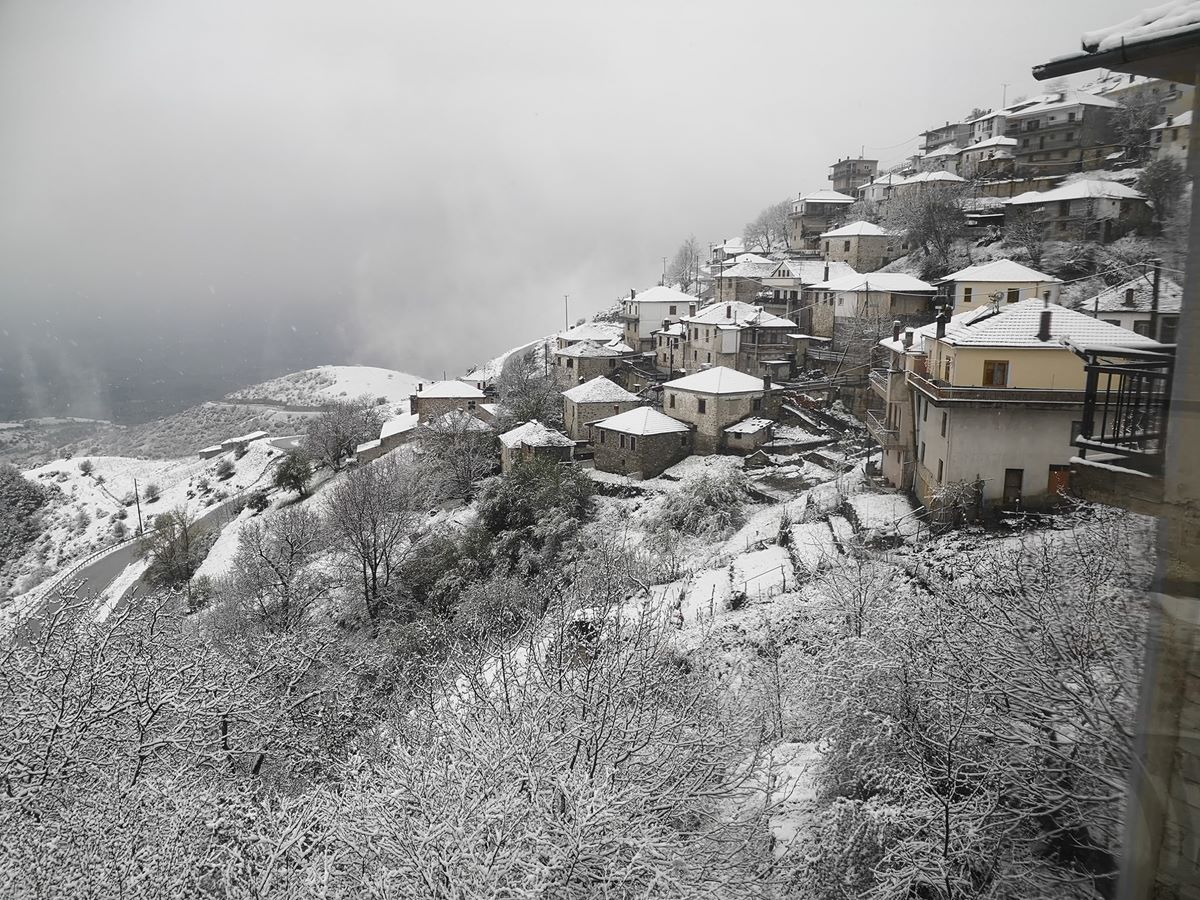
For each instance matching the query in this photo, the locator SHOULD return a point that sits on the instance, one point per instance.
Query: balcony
(885, 382)
(942, 392)
(886, 435)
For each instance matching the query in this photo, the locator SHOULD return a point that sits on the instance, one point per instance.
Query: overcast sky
(190, 191)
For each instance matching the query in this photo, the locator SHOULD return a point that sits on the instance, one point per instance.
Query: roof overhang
(1172, 57)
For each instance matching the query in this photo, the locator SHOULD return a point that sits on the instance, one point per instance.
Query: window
(1069, 136)
(925, 412)
(756, 404)
(967, 295)
(701, 405)
(922, 452)
(737, 435)
(1116, 322)
(470, 404)
(622, 438)
(602, 435)
(671, 311)
(1064, 207)
(827, 246)
(709, 357)
(632, 442)
(660, 340)
(1014, 294)
(683, 440)
(612, 363)
(570, 363)
(939, 478)
(943, 431)
(1070, 117)
(1142, 328)
(995, 372)
(671, 400)
(845, 246)
(1167, 328)
(1012, 485)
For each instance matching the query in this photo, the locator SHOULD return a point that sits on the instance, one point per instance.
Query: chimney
(766, 382)
(1170, 120)
(941, 321)
(896, 330)
(908, 338)
(1044, 325)
(632, 294)
(1129, 296)
(419, 386)
(826, 270)
(729, 310)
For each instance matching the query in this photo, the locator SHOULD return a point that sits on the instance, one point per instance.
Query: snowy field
(313, 387)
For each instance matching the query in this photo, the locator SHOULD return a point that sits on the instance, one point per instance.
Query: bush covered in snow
(707, 503)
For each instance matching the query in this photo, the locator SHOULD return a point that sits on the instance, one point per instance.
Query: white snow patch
(885, 512)
(323, 384)
(813, 545)
(116, 589)
(764, 573)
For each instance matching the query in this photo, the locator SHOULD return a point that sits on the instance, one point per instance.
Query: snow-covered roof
(642, 420)
(1017, 325)
(751, 258)
(719, 380)
(660, 294)
(535, 434)
(599, 390)
(810, 271)
(894, 282)
(923, 177)
(1084, 189)
(1150, 24)
(1061, 100)
(749, 426)
(999, 270)
(369, 445)
(1183, 120)
(940, 152)
(215, 448)
(675, 329)
(450, 390)
(736, 312)
(591, 331)
(997, 141)
(592, 349)
(733, 245)
(399, 425)
(1113, 299)
(750, 269)
(857, 229)
(826, 197)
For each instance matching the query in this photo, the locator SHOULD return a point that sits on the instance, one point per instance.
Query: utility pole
(1004, 95)
(566, 314)
(1156, 265)
(664, 278)
(137, 499)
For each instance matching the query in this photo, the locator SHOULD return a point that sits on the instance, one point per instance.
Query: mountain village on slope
(978, 387)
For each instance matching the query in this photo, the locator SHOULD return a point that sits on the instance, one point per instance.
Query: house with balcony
(592, 401)
(670, 344)
(813, 213)
(1066, 131)
(957, 134)
(847, 174)
(1161, 96)
(790, 278)
(642, 313)
(870, 301)
(862, 246)
(1002, 281)
(714, 399)
(990, 157)
(741, 336)
(988, 402)
(878, 189)
(1084, 210)
(1134, 306)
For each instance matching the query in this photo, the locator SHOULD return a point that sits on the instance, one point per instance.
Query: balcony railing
(943, 392)
(883, 380)
(886, 435)
(1126, 407)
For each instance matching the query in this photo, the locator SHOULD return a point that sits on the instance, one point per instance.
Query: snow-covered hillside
(313, 387)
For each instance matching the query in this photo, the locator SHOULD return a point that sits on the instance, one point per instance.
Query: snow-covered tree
(768, 231)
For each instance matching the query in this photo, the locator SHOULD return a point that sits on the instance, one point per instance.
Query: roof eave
(1172, 57)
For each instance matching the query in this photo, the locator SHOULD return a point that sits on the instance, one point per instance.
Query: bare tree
(457, 450)
(175, 551)
(334, 435)
(685, 266)
(373, 513)
(1163, 182)
(932, 219)
(768, 232)
(1132, 121)
(1026, 228)
(273, 572)
(527, 392)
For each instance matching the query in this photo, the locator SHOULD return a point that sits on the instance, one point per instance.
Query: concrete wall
(577, 416)
(980, 443)
(981, 292)
(649, 455)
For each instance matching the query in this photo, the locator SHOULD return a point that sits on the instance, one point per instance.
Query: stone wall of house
(719, 413)
(430, 408)
(864, 253)
(510, 456)
(570, 371)
(652, 454)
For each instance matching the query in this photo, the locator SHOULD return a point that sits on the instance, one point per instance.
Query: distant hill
(314, 387)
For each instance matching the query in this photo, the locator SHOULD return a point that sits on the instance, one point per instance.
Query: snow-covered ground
(313, 387)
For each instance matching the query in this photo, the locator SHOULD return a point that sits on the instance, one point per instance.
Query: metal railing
(944, 392)
(1126, 405)
(885, 434)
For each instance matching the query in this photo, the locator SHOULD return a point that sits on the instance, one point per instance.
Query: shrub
(293, 472)
(258, 501)
(224, 469)
(707, 504)
(85, 466)
(151, 492)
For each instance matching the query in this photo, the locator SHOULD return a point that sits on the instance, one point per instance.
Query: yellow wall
(1049, 369)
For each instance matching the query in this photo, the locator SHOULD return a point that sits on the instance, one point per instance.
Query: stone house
(1131, 306)
(943, 159)
(789, 280)
(813, 213)
(597, 332)
(669, 347)
(738, 335)
(952, 134)
(869, 302)
(744, 280)
(716, 398)
(585, 360)
(849, 173)
(434, 400)
(645, 312)
(748, 435)
(879, 189)
(977, 286)
(531, 441)
(594, 400)
(863, 246)
(988, 157)
(1086, 210)
(641, 442)
(1169, 138)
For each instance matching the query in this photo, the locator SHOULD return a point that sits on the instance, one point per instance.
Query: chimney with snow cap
(1044, 324)
(908, 338)
(766, 382)
(896, 326)
(941, 321)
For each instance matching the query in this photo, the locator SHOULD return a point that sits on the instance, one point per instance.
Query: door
(1060, 480)
(1012, 486)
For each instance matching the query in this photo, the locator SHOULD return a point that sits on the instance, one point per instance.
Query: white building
(1000, 281)
(1131, 304)
(1169, 139)
(644, 312)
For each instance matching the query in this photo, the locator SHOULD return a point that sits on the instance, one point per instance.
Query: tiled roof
(999, 270)
(399, 425)
(642, 420)
(748, 269)
(810, 271)
(1017, 325)
(826, 197)
(857, 229)
(592, 331)
(591, 349)
(736, 312)
(1150, 24)
(599, 390)
(1084, 189)
(535, 434)
(718, 380)
(997, 141)
(897, 282)
(1061, 100)
(660, 294)
(1170, 297)
(450, 390)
